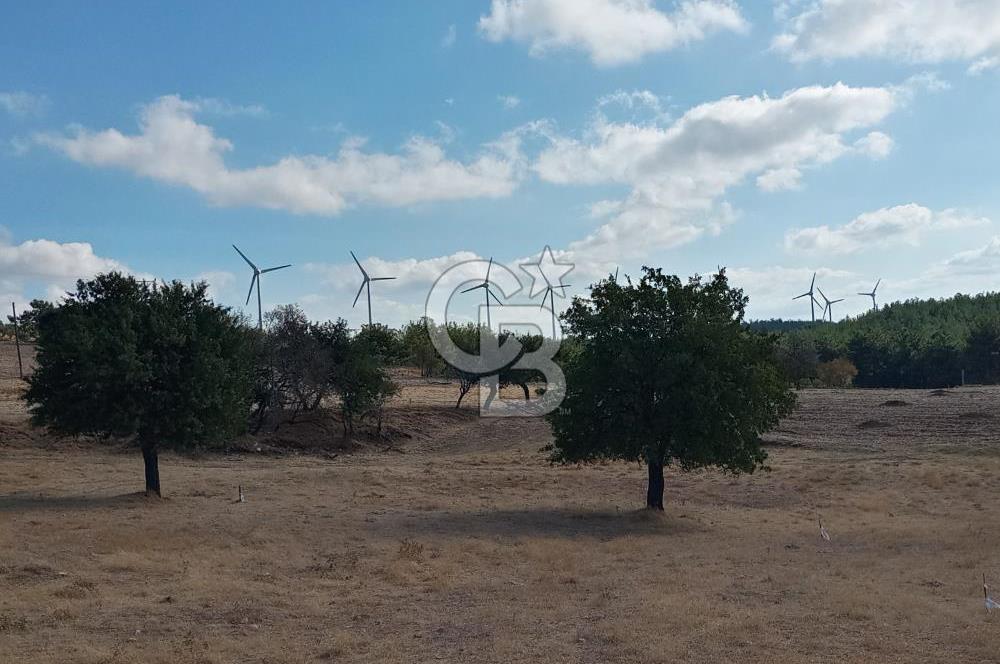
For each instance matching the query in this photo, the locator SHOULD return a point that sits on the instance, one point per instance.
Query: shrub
(836, 373)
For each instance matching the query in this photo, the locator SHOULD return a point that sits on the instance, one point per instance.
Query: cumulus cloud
(23, 104)
(611, 32)
(678, 173)
(916, 31)
(173, 147)
(979, 261)
(902, 224)
(46, 259)
(876, 145)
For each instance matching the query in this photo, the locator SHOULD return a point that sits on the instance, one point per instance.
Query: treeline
(912, 344)
(164, 366)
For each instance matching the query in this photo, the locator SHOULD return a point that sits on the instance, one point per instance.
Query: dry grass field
(462, 544)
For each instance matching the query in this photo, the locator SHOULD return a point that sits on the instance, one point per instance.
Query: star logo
(547, 273)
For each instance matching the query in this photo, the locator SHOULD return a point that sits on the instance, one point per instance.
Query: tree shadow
(26, 502)
(570, 523)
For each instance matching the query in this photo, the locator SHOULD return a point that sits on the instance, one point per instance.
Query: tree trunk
(654, 491)
(151, 461)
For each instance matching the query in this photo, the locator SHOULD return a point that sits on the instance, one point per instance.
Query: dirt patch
(874, 424)
(939, 393)
(895, 403)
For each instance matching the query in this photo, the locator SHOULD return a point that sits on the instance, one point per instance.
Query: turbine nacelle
(366, 280)
(255, 281)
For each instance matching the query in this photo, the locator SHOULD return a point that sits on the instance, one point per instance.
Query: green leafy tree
(419, 348)
(386, 342)
(163, 367)
(797, 356)
(665, 373)
(363, 383)
(982, 354)
(27, 320)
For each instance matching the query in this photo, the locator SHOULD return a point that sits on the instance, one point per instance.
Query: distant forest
(916, 343)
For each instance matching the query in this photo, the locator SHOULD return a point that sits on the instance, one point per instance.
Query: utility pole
(17, 342)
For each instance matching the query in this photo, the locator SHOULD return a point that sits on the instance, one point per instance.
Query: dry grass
(466, 546)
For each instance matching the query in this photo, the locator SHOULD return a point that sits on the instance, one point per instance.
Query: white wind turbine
(366, 284)
(872, 295)
(812, 297)
(256, 281)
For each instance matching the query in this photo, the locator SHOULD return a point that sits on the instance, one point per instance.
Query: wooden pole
(17, 342)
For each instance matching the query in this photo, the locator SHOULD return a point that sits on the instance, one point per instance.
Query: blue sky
(848, 138)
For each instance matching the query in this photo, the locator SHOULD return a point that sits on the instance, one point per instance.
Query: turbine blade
(482, 285)
(382, 278)
(876, 285)
(488, 268)
(813, 283)
(563, 286)
(250, 292)
(361, 288)
(547, 291)
(359, 265)
(272, 269)
(803, 295)
(249, 262)
(490, 293)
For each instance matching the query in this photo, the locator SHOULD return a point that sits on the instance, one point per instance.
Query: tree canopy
(161, 366)
(666, 372)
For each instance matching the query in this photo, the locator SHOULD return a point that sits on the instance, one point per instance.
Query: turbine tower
(829, 304)
(872, 295)
(366, 284)
(488, 293)
(550, 293)
(256, 281)
(812, 297)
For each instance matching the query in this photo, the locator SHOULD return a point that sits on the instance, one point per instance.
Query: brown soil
(463, 544)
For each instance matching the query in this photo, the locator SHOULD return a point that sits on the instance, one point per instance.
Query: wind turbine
(872, 295)
(550, 292)
(486, 287)
(829, 304)
(366, 284)
(812, 297)
(256, 280)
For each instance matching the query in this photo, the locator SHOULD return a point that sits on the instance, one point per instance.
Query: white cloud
(46, 259)
(984, 64)
(173, 147)
(612, 32)
(219, 282)
(876, 145)
(226, 108)
(509, 101)
(902, 224)
(47, 267)
(779, 179)
(23, 104)
(980, 261)
(678, 173)
(450, 36)
(925, 31)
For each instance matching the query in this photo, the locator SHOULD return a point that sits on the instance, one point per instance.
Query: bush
(836, 373)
